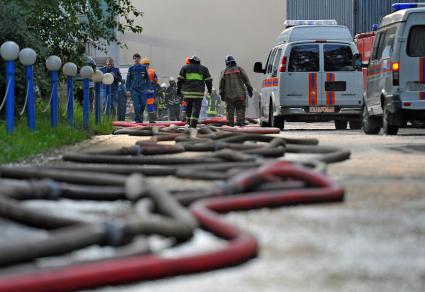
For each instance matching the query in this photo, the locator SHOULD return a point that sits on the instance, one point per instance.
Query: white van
(312, 74)
(395, 92)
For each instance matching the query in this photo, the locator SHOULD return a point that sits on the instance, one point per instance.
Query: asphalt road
(374, 241)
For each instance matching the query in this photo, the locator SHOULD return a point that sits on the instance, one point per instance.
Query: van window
(276, 62)
(388, 43)
(304, 58)
(416, 41)
(270, 61)
(338, 58)
(377, 44)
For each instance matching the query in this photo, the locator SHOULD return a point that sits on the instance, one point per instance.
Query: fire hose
(241, 245)
(245, 178)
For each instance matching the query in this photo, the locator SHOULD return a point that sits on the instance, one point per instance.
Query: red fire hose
(158, 124)
(242, 246)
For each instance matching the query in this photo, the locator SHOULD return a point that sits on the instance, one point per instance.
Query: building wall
(357, 15)
(175, 29)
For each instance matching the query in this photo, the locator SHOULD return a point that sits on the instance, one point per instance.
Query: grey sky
(175, 29)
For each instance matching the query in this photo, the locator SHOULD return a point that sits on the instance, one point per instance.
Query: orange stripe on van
(422, 76)
(271, 82)
(315, 88)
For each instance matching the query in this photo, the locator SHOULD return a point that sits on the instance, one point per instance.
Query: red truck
(364, 43)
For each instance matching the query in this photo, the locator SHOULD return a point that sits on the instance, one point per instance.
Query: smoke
(176, 29)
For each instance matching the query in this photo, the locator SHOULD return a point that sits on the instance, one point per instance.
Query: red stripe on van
(315, 88)
(330, 95)
(422, 76)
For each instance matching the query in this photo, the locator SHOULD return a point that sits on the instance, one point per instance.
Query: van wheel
(340, 125)
(355, 125)
(387, 126)
(279, 122)
(371, 125)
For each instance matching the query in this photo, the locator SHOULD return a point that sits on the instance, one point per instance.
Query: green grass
(24, 143)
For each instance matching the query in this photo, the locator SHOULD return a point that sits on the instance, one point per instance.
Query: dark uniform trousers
(239, 106)
(193, 109)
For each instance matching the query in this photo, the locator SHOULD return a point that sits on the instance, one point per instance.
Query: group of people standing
(181, 100)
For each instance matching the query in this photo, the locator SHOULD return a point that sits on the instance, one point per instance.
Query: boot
(193, 123)
(152, 117)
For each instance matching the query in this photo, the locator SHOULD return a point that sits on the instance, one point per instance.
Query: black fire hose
(329, 154)
(83, 177)
(178, 223)
(138, 160)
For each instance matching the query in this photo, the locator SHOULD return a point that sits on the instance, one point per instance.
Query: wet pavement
(371, 242)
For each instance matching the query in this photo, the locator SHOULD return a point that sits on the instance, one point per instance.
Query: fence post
(86, 72)
(10, 51)
(53, 64)
(70, 70)
(108, 79)
(28, 57)
(97, 78)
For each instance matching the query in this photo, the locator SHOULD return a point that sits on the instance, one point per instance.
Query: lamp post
(97, 78)
(70, 71)
(54, 64)
(28, 57)
(9, 52)
(86, 72)
(108, 79)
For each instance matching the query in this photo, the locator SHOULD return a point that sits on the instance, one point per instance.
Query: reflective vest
(212, 105)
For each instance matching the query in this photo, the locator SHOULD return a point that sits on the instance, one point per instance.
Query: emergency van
(395, 89)
(312, 74)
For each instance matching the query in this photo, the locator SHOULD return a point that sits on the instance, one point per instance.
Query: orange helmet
(187, 61)
(146, 61)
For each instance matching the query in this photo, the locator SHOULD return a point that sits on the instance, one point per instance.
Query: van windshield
(338, 58)
(304, 58)
(416, 41)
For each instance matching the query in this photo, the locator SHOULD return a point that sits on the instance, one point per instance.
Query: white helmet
(172, 79)
(163, 85)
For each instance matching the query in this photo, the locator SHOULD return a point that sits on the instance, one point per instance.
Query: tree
(61, 27)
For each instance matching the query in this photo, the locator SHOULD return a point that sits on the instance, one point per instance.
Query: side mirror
(357, 62)
(258, 68)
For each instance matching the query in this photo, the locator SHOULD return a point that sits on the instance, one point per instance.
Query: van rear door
(302, 83)
(412, 61)
(341, 83)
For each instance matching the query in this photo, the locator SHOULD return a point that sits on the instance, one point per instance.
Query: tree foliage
(61, 27)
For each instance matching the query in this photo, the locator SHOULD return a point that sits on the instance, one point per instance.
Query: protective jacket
(171, 94)
(213, 104)
(137, 78)
(233, 81)
(192, 81)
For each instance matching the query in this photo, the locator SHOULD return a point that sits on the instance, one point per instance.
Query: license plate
(322, 109)
(416, 86)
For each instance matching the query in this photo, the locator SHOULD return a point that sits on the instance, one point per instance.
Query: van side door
(342, 84)
(374, 74)
(412, 62)
(270, 81)
(302, 82)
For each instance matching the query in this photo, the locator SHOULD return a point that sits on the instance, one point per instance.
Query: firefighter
(213, 103)
(173, 101)
(150, 102)
(191, 84)
(162, 102)
(137, 84)
(234, 84)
